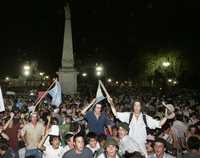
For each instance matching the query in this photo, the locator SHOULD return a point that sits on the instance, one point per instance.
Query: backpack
(148, 130)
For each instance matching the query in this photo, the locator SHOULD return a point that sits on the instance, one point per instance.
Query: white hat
(54, 130)
(170, 107)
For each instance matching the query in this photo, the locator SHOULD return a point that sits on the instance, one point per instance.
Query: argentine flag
(56, 94)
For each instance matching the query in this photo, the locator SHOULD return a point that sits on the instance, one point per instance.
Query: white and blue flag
(56, 94)
(2, 107)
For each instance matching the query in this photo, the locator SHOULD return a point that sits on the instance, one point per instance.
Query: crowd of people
(132, 123)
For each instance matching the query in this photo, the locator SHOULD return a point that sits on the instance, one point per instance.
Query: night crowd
(132, 123)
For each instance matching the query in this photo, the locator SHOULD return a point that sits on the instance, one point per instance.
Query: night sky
(111, 32)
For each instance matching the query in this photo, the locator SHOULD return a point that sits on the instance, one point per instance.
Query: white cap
(54, 130)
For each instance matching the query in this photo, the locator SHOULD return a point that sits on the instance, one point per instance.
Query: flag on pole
(56, 94)
(99, 94)
(2, 107)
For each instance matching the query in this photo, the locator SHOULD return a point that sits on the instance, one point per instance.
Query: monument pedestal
(68, 80)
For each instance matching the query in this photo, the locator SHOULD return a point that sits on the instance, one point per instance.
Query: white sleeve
(123, 116)
(152, 123)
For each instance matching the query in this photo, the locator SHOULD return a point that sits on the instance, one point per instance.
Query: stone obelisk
(67, 73)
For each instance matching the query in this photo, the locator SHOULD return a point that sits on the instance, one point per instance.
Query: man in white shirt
(136, 123)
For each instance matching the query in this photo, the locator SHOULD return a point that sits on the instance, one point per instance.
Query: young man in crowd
(79, 151)
(32, 134)
(54, 150)
(93, 144)
(96, 119)
(111, 149)
(126, 143)
(160, 148)
(69, 142)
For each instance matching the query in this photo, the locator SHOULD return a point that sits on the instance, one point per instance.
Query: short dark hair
(78, 135)
(161, 140)
(91, 135)
(68, 136)
(193, 143)
(51, 137)
(135, 154)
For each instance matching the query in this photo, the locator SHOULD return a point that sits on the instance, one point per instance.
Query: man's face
(111, 150)
(93, 142)
(159, 148)
(56, 142)
(98, 108)
(122, 132)
(70, 142)
(79, 144)
(137, 107)
(34, 118)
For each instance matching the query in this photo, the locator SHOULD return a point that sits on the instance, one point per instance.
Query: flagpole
(107, 95)
(45, 93)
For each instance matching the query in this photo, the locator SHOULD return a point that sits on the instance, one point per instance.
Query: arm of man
(8, 122)
(167, 116)
(83, 112)
(40, 145)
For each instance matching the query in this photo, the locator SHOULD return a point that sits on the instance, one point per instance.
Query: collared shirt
(97, 125)
(128, 144)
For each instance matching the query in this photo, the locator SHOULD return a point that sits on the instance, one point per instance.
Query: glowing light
(84, 74)
(109, 80)
(166, 64)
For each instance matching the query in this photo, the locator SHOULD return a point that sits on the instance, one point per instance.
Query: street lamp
(99, 70)
(169, 80)
(98, 73)
(84, 74)
(26, 70)
(41, 73)
(46, 77)
(27, 67)
(7, 79)
(26, 73)
(166, 64)
(109, 80)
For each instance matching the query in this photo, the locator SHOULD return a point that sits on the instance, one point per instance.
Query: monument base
(68, 80)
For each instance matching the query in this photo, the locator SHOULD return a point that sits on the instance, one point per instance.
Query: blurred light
(175, 82)
(84, 74)
(46, 77)
(169, 80)
(98, 73)
(41, 73)
(99, 68)
(109, 80)
(117, 82)
(32, 94)
(166, 64)
(160, 88)
(26, 73)
(7, 79)
(27, 67)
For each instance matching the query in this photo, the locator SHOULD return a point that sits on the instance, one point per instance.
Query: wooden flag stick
(106, 92)
(45, 93)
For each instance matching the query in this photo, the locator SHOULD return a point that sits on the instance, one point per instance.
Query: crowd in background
(24, 133)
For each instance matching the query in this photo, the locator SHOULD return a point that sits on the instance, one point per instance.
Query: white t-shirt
(50, 152)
